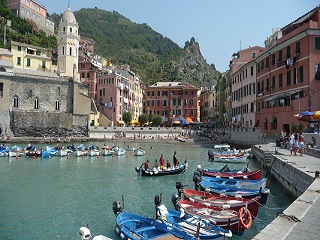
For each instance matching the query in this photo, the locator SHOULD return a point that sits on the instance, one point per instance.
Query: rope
(289, 217)
(310, 202)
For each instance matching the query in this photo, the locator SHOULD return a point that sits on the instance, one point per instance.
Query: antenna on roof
(240, 44)
(68, 2)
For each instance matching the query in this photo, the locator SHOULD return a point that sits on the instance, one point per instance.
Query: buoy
(16, 157)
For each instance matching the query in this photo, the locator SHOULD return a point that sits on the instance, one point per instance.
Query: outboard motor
(264, 196)
(137, 169)
(157, 200)
(179, 187)
(175, 199)
(196, 179)
(117, 207)
(199, 170)
(85, 233)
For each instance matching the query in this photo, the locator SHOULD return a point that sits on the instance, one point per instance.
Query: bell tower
(68, 46)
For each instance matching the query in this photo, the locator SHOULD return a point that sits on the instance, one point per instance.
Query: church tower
(68, 46)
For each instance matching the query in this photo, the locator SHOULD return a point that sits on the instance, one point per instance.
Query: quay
(299, 175)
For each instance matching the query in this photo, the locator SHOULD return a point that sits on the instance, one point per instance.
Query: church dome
(68, 17)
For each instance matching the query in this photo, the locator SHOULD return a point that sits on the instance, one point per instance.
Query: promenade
(301, 219)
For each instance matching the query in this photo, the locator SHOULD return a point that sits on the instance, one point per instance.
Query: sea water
(52, 198)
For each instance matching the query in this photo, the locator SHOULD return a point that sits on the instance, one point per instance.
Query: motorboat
(16, 151)
(130, 148)
(85, 234)
(139, 152)
(118, 151)
(82, 150)
(4, 151)
(48, 151)
(234, 183)
(94, 151)
(158, 172)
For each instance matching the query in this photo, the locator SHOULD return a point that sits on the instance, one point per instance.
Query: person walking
(301, 144)
(296, 144)
(291, 143)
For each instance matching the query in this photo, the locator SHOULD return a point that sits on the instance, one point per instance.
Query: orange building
(287, 74)
(171, 100)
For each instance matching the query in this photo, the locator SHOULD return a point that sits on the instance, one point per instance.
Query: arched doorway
(273, 122)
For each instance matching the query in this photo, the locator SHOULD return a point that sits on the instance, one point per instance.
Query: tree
(126, 117)
(143, 118)
(156, 120)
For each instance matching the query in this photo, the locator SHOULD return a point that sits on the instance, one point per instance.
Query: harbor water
(52, 198)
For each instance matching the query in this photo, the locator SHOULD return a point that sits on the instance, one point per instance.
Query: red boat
(224, 218)
(255, 175)
(222, 201)
(33, 153)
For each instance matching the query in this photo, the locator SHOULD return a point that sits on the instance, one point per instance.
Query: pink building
(288, 74)
(242, 82)
(119, 90)
(171, 100)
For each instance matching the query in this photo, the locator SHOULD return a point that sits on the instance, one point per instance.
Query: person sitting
(169, 164)
(155, 165)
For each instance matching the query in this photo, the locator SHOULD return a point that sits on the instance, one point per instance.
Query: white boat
(82, 150)
(230, 158)
(94, 152)
(85, 234)
(63, 152)
(139, 152)
(16, 151)
(107, 152)
(118, 151)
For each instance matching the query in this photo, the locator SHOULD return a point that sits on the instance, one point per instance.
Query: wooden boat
(31, 151)
(48, 151)
(118, 151)
(246, 193)
(16, 151)
(157, 172)
(82, 150)
(4, 151)
(235, 183)
(93, 151)
(195, 226)
(139, 152)
(64, 152)
(222, 201)
(230, 158)
(107, 152)
(136, 227)
(224, 218)
(237, 174)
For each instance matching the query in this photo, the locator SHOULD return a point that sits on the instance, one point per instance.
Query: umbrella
(304, 116)
(189, 120)
(316, 115)
(176, 122)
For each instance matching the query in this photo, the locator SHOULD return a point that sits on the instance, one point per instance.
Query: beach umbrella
(189, 120)
(304, 116)
(316, 115)
(176, 122)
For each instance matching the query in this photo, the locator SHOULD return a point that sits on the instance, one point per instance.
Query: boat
(31, 151)
(245, 193)
(233, 174)
(82, 150)
(4, 151)
(158, 172)
(230, 158)
(181, 139)
(48, 152)
(64, 152)
(135, 227)
(94, 150)
(224, 218)
(139, 152)
(130, 148)
(217, 200)
(85, 234)
(195, 226)
(118, 151)
(16, 151)
(235, 183)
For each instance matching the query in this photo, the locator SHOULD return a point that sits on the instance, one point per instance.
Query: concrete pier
(300, 176)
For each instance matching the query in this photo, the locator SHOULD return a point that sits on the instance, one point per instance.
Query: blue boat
(48, 151)
(194, 225)
(4, 151)
(236, 183)
(136, 227)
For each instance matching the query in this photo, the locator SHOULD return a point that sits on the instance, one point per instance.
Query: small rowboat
(157, 172)
(16, 151)
(223, 201)
(230, 158)
(139, 152)
(238, 174)
(235, 183)
(224, 218)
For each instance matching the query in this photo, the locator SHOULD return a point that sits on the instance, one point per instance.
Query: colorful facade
(287, 71)
(171, 100)
(206, 103)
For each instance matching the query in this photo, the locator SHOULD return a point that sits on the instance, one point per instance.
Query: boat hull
(157, 172)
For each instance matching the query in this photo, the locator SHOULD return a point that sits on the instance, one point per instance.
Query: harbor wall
(242, 136)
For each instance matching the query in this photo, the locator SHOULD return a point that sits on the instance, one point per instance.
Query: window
(267, 62)
(191, 102)
(70, 51)
(82, 75)
(280, 56)
(165, 103)
(253, 55)
(38, 52)
(62, 50)
(88, 74)
(288, 51)
(317, 43)
(19, 48)
(71, 30)
(251, 70)
(28, 62)
(297, 47)
(300, 74)
(58, 91)
(152, 103)
(36, 104)
(57, 105)
(16, 102)
(152, 93)
(19, 61)
(268, 85)
(1, 90)
(273, 83)
(158, 103)
(280, 81)
(64, 29)
(158, 93)
(273, 59)
(288, 78)
(29, 94)
(43, 64)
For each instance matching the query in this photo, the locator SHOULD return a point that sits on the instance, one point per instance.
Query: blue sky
(220, 27)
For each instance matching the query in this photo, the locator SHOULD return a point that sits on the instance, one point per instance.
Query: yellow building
(31, 57)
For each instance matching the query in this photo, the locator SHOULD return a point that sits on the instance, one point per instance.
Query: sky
(220, 27)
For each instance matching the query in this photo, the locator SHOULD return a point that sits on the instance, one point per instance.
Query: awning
(282, 95)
